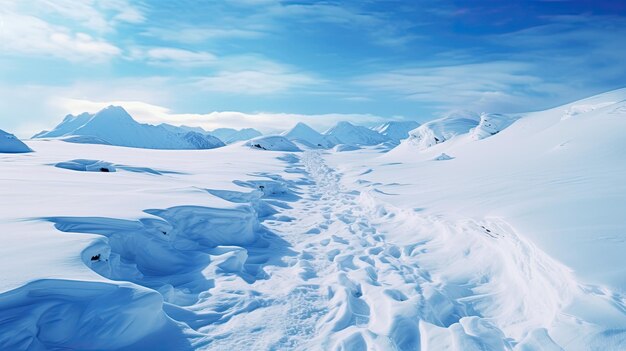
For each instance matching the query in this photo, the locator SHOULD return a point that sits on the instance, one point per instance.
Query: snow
(9, 143)
(307, 136)
(113, 125)
(272, 143)
(396, 130)
(442, 129)
(491, 124)
(510, 242)
(348, 133)
(344, 148)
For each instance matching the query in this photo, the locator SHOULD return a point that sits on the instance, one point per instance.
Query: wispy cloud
(23, 34)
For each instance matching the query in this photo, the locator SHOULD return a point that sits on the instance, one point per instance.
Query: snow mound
(442, 129)
(272, 143)
(84, 165)
(348, 133)
(396, 130)
(306, 135)
(443, 157)
(10, 144)
(491, 124)
(345, 147)
(114, 126)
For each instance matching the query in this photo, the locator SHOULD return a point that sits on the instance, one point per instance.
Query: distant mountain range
(114, 126)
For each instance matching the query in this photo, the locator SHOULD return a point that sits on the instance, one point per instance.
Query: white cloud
(480, 86)
(166, 55)
(23, 34)
(255, 82)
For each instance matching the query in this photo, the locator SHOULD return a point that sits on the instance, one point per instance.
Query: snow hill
(11, 144)
(396, 130)
(491, 124)
(442, 129)
(307, 136)
(229, 135)
(113, 125)
(348, 133)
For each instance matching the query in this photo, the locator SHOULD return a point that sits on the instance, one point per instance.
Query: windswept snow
(9, 143)
(513, 242)
(113, 125)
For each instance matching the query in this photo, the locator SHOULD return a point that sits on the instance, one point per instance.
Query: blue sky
(268, 63)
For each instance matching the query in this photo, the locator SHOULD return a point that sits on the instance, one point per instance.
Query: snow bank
(87, 165)
(11, 144)
(64, 314)
(272, 143)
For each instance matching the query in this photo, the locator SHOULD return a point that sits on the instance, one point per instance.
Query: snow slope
(115, 126)
(396, 130)
(306, 135)
(9, 143)
(348, 133)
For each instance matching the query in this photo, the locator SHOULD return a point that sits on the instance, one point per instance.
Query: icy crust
(78, 315)
(10, 144)
(272, 143)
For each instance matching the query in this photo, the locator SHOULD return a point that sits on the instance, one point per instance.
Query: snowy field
(477, 232)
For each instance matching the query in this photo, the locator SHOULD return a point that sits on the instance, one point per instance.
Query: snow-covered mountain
(9, 143)
(113, 125)
(348, 133)
(230, 135)
(307, 136)
(442, 129)
(396, 130)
